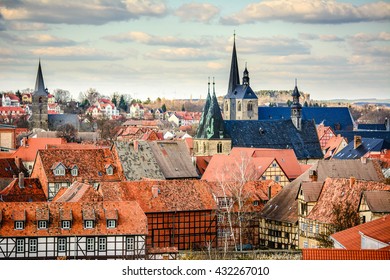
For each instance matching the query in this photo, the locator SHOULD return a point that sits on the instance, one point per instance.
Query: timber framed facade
(278, 235)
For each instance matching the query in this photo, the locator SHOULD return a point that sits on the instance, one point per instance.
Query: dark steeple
(245, 78)
(39, 84)
(234, 79)
(296, 108)
(211, 124)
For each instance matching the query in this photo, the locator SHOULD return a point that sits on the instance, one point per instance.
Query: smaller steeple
(245, 78)
(296, 108)
(234, 78)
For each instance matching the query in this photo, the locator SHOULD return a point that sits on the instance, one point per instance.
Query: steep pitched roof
(78, 192)
(131, 218)
(338, 191)
(276, 134)
(341, 254)
(173, 159)
(162, 196)
(333, 145)
(234, 78)
(385, 135)
(367, 145)
(377, 201)
(8, 168)
(40, 89)
(338, 118)
(311, 190)
(28, 150)
(32, 191)
(378, 229)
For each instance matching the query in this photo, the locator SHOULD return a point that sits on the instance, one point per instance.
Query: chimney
(313, 175)
(269, 192)
(135, 145)
(21, 180)
(351, 181)
(363, 160)
(24, 142)
(357, 141)
(155, 191)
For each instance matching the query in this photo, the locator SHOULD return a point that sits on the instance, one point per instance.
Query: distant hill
(384, 102)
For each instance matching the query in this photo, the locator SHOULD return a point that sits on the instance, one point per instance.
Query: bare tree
(67, 131)
(91, 95)
(61, 96)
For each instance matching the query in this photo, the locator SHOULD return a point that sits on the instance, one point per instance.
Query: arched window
(227, 105)
(204, 147)
(239, 106)
(250, 106)
(219, 147)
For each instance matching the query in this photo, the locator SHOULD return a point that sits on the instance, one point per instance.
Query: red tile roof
(341, 254)
(78, 192)
(131, 218)
(8, 168)
(32, 191)
(333, 145)
(338, 191)
(378, 229)
(28, 151)
(162, 196)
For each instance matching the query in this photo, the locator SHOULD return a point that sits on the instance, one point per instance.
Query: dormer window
(19, 225)
(111, 223)
(74, 170)
(19, 218)
(58, 169)
(66, 218)
(42, 224)
(109, 169)
(111, 217)
(65, 224)
(42, 216)
(88, 224)
(89, 218)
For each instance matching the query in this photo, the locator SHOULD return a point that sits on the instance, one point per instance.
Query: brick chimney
(357, 141)
(155, 191)
(351, 181)
(313, 176)
(269, 192)
(21, 180)
(24, 142)
(135, 145)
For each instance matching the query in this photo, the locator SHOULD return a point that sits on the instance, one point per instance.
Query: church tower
(39, 102)
(296, 108)
(210, 136)
(240, 102)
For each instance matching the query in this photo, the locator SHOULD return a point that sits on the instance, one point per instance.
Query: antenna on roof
(213, 85)
(209, 84)
(295, 81)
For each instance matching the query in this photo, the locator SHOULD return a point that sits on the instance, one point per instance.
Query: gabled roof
(276, 134)
(339, 191)
(367, 145)
(322, 130)
(8, 168)
(40, 89)
(173, 159)
(28, 150)
(333, 145)
(32, 191)
(90, 163)
(385, 135)
(311, 190)
(378, 229)
(162, 196)
(242, 92)
(377, 201)
(341, 254)
(338, 118)
(131, 218)
(78, 192)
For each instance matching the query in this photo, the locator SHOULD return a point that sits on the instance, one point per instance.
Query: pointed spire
(202, 126)
(234, 79)
(39, 84)
(296, 93)
(245, 78)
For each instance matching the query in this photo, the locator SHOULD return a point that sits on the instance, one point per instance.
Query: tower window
(219, 147)
(226, 106)
(250, 106)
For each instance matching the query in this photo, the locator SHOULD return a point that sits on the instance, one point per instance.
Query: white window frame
(65, 224)
(256, 203)
(42, 224)
(102, 244)
(33, 245)
(110, 170)
(19, 245)
(111, 223)
(90, 244)
(61, 245)
(59, 171)
(130, 243)
(88, 223)
(220, 218)
(74, 172)
(19, 225)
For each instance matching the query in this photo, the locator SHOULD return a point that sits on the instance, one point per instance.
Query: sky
(168, 49)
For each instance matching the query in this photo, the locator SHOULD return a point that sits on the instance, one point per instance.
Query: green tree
(113, 100)
(123, 104)
(289, 103)
(164, 108)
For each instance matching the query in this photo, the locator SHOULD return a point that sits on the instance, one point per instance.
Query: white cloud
(198, 12)
(366, 37)
(180, 54)
(74, 53)
(93, 12)
(310, 11)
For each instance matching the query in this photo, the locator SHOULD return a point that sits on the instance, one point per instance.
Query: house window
(88, 224)
(305, 244)
(219, 147)
(250, 106)
(239, 106)
(65, 225)
(111, 223)
(42, 224)
(75, 172)
(223, 202)
(223, 232)
(277, 178)
(102, 244)
(274, 164)
(61, 246)
(256, 203)
(220, 218)
(130, 243)
(90, 244)
(60, 171)
(226, 106)
(263, 177)
(317, 228)
(109, 170)
(33, 245)
(19, 225)
(19, 245)
(311, 228)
